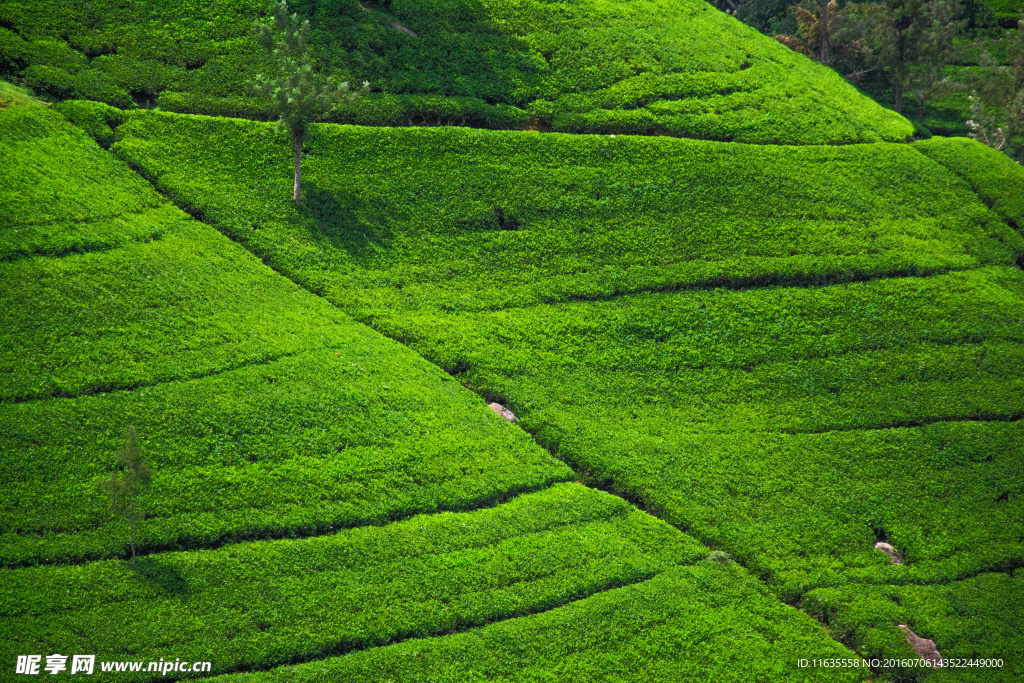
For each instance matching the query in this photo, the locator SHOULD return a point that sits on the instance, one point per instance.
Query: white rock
(924, 647)
(890, 551)
(503, 411)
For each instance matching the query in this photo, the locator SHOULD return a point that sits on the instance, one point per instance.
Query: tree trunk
(898, 87)
(131, 526)
(824, 32)
(297, 149)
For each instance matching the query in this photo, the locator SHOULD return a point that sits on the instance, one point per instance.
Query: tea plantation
(792, 353)
(678, 68)
(736, 365)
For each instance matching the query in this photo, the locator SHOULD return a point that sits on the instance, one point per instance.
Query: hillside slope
(395, 504)
(857, 379)
(676, 67)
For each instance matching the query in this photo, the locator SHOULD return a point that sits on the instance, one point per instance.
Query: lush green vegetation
(794, 426)
(778, 354)
(993, 176)
(224, 385)
(425, 219)
(697, 623)
(608, 66)
(256, 605)
(12, 95)
(980, 617)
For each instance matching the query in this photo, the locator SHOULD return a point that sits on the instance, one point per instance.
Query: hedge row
(61, 194)
(698, 623)
(258, 605)
(298, 420)
(792, 426)
(413, 220)
(357, 434)
(587, 66)
(52, 172)
(993, 176)
(976, 619)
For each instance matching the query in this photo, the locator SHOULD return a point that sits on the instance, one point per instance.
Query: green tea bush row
(665, 333)
(298, 420)
(98, 120)
(361, 433)
(53, 172)
(406, 110)
(587, 66)
(143, 314)
(412, 220)
(995, 177)
(702, 622)
(258, 605)
(977, 618)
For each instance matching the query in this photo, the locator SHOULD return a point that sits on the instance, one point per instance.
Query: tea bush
(994, 176)
(257, 605)
(696, 623)
(265, 410)
(594, 66)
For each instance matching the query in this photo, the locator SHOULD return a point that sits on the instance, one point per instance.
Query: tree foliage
(844, 34)
(296, 94)
(125, 487)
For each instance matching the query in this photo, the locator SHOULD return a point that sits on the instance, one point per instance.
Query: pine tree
(295, 92)
(124, 488)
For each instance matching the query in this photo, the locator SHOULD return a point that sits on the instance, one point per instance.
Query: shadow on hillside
(157, 573)
(422, 48)
(332, 220)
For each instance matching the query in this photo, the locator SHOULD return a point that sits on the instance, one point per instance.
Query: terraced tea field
(742, 349)
(773, 349)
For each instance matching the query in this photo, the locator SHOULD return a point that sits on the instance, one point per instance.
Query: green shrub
(13, 53)
(95, 118)
(56, 54)
(99, 87)
(585, 66)
(190, 103)
(996, 178)
(50, 81)
(270, 603)
(697, 623)
(146, 77)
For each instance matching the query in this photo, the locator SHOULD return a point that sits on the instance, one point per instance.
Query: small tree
(1003, 87)
(296, 94)
(908, 35)
(927, 78)
(837, 32)
(124, 488)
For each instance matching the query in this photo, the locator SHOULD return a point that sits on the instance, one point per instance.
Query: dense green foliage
(697, 623)
(792, 425)
(414, 220)
(12, 95)
(996, 179)
(257, 605)
(98, 120)
(784, 353)
(612, 66)
(285, 389)
(977, 618)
